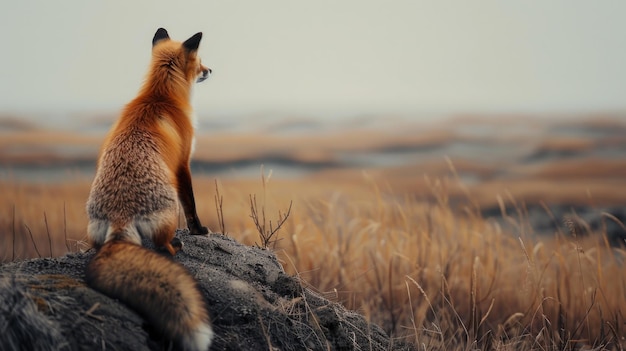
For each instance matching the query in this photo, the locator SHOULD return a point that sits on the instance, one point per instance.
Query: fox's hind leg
(97, 231)
(176, 244)
(164, 234)
(161, 228)
(164, 237)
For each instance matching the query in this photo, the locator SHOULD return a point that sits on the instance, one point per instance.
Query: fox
(142, 178)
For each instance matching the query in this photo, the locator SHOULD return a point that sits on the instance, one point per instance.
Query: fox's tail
(161, 290)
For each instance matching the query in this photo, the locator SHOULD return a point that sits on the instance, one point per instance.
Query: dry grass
(444, 279)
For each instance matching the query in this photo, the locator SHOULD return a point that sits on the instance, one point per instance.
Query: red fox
(142, 176)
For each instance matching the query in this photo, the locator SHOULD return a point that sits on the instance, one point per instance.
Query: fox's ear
(160, 34)
(192, 43)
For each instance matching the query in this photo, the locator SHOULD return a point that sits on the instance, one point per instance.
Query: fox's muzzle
(205, 74)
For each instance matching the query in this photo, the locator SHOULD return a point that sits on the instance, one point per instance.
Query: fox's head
(178, 59)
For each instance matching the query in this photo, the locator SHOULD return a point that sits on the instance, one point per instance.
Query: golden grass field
(406, 245)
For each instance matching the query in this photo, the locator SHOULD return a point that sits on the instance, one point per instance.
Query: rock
(253, 303)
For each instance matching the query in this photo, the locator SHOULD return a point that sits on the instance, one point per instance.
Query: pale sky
(323, 56)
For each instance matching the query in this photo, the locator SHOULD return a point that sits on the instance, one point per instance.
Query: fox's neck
(166, 83)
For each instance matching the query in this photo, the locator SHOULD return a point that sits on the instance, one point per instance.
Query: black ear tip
(193, 42)
(160, 34)
(196, 37)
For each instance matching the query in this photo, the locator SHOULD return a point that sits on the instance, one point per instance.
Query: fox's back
(132, 178)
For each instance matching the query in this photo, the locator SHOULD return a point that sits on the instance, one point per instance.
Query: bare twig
(266, 229)
(33, 240)
(13, 255)
(65, 227)
(91, 310)
(219, 201)
(45, 219)
(393, 316)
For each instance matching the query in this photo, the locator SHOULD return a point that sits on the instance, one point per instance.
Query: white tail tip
(200, 339)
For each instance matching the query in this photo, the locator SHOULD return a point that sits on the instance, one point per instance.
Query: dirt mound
(254, 305)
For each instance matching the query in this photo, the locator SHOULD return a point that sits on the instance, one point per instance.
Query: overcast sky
(323, 56)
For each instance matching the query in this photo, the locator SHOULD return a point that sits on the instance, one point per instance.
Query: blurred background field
(548, 168)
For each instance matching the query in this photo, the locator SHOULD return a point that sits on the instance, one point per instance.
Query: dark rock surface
(254, 305)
